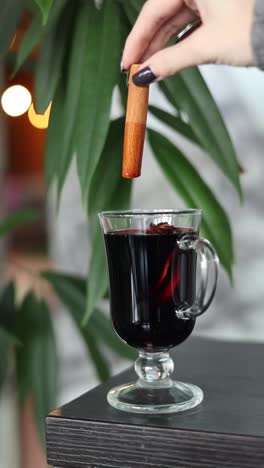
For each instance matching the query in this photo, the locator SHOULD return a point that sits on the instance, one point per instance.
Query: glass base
(150, 398)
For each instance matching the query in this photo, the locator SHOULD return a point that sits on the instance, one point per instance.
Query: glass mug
(152, 262)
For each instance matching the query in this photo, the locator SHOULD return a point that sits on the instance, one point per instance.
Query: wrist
(257, 34)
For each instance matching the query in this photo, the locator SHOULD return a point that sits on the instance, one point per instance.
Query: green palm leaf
(117, 196)
(35, 32)
(49, 68)
(9, 18)
(176, 123)
(36, 360)
(44, 6)
(99, 76)
(8, 336)
(71, 290)
(188, 92)
(74, 75)
(12, 221)
(4, 350)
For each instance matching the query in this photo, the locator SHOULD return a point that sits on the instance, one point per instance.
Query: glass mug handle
(208, 258)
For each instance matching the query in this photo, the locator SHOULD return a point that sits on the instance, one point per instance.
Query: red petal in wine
(168, 292)
(165, 271)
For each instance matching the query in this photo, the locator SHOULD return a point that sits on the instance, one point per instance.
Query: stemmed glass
(155, 301)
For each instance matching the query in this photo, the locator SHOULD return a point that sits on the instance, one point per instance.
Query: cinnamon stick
(135, 127)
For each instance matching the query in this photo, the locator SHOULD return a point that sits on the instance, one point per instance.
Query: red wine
(150, 278)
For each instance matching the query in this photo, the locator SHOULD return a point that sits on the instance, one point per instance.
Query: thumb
(194, 50)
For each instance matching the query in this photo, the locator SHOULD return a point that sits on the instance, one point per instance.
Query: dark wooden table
(227, 430)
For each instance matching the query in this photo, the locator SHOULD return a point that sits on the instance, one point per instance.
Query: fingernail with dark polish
(127, 78)
(144, 77)
(122, 68)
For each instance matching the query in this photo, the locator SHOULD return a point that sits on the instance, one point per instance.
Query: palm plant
(78, 70)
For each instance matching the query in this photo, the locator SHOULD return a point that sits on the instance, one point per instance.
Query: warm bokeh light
(16, 100)
(39, 120)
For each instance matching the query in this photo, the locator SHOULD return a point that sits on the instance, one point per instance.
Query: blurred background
(59, 237)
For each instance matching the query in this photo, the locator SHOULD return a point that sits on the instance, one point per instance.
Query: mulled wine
(151, 278)
(152, 257)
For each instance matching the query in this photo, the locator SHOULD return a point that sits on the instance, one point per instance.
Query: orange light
(39, 120)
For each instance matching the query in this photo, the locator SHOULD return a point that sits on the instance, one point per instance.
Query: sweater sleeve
(258, 33)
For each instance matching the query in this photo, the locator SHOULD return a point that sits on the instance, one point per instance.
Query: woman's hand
(224, 36)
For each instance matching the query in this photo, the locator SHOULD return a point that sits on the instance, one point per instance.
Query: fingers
(192, 5)
(152, 16)
(167, 62)
(167, 31)
(222, 37)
